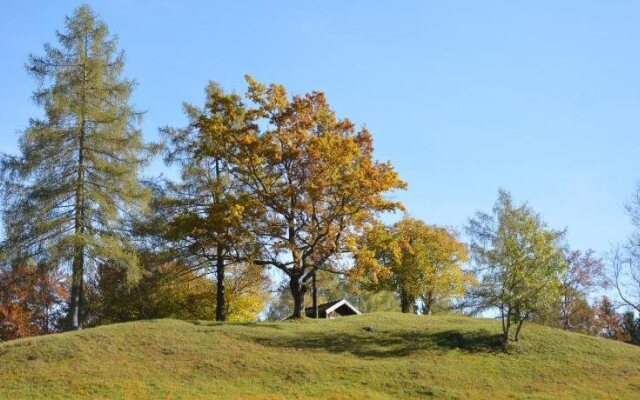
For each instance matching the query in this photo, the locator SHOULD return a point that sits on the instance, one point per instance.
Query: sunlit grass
(387, 355)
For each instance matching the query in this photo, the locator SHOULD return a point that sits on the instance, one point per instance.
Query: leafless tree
(626, 259)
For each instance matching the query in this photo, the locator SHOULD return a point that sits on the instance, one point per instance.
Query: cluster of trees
(527, 272)
(267, 182)
(421, 263)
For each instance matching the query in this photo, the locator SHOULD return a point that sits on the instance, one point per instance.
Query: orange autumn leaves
(308, 182)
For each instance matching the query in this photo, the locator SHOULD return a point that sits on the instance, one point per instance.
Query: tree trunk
(427, 304)
(314, 294)
(77, 283)
(506, 327)
(297, 291)
(517, 336)
(405, 302)
(77, 273)
(221, 306)
(45, 328)
(45, 301)
(520, 323)
(566, 313)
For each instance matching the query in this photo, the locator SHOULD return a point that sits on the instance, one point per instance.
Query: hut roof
(341, 307)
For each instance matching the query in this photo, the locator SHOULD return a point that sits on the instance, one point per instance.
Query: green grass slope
(386, 356)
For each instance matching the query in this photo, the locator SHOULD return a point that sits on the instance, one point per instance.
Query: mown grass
(385, 356)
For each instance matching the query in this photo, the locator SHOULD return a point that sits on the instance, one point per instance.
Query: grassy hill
(387, 355)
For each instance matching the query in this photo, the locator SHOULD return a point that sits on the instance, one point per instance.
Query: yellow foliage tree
(418, 261)
(311, 180)
(174, 290)
(247, 292)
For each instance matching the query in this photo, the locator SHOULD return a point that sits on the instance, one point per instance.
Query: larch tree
(202, 218)
(74, 186)
(519, 261)
(313, 180)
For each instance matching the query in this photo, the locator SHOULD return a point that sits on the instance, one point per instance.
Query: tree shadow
(226, 323)
(380, 344)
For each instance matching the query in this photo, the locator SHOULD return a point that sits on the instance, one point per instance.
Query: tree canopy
(312, 179)
(264, 187)
(416, 260)
(70, 192)
(519, 261)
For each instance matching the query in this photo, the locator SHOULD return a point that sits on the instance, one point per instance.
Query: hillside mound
(381, 355)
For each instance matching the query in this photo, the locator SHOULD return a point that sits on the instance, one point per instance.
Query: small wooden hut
(333, 309)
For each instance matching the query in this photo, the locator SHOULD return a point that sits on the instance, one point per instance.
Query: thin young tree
(75, 184)
(518, 260)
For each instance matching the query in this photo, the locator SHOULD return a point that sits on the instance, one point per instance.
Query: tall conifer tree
(70, 192)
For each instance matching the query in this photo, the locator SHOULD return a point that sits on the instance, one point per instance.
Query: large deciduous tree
(518, 259)
(74, 185)
(313, 179)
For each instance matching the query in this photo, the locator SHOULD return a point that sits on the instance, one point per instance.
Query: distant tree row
(267, 182)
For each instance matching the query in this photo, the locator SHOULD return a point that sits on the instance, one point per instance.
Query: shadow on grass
(225, 323)
(391, 344)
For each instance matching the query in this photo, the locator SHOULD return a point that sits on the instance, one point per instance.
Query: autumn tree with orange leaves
(31, 300)
(312, 180)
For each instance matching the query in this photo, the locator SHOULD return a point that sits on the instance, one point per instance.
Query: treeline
(267, 182)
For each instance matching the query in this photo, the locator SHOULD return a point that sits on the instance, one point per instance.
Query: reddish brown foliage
(30, 300)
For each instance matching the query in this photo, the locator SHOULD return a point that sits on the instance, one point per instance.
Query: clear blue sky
(541, 98)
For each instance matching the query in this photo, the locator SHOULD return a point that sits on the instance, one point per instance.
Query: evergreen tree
(74, 186)
(631, 327)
